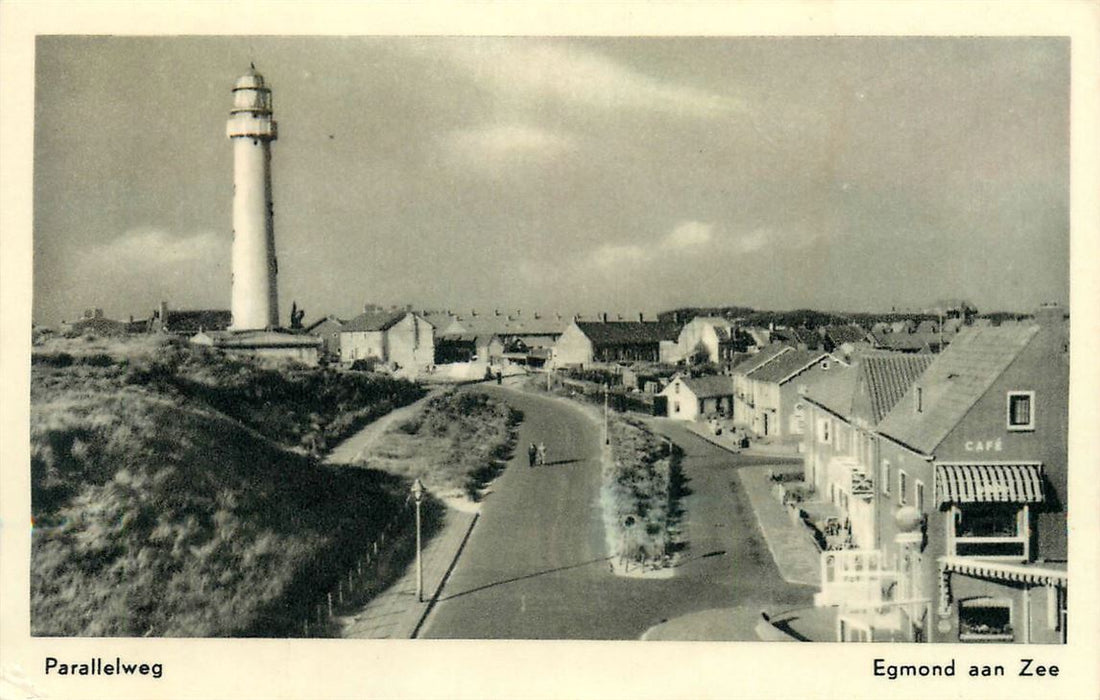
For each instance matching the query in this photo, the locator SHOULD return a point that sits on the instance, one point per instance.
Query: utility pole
(418, 495)
(606, 420)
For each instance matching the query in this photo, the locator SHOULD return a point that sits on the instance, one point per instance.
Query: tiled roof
(766, 354)
(194, 321)
(888, 377)
(706, 387)
(332, 320)
(374, 321)
(628, 332)
(504, 325)
(953, 382)
(845, 334)
(836, 390)
(781, 368)
(916, 341)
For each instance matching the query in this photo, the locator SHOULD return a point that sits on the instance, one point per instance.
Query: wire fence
(369, 574)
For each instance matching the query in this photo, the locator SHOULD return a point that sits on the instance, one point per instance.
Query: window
(989, 530)
(918, 494)
(903, 487)
(885, 477)
(676, 388)
(920, 399)
(676, 407)
(985, 620)
(1021, 412)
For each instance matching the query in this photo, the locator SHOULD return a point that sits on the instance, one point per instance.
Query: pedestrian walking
(532, 453)
(542, 453)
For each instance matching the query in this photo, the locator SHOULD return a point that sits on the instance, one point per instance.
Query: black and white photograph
(738, 339)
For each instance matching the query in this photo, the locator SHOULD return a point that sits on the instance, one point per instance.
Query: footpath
(395, 613)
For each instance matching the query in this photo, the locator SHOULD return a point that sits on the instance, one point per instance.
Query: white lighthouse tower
(251, 128)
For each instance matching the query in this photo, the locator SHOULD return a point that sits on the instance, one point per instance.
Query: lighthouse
(251, 128)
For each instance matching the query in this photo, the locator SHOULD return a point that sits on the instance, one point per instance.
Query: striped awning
(989, 483)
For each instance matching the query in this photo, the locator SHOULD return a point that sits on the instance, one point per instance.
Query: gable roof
(709, 386)
(766, 354)
(953, 383)
(628, 332)
(374, 321)
(836, 390)
(888, 377)
(845, 334)
(320, 322)
(782, 368)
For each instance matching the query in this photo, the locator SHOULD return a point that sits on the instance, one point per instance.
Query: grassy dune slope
(157, 514)
(457, 443)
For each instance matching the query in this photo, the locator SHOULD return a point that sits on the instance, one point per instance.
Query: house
(801, 338)
(833, 337)
(467, 347)
(274, 345)
(744, 402)
(776, 388)
(401, 339)
(840, 445)
(967, 497)
(92, 322)
(188, 323)
(585, 343)
(689, 398)
(328, 330)
(903, 341)
(707, 339)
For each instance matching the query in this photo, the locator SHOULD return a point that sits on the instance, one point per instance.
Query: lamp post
(418, 496)
(606, 432)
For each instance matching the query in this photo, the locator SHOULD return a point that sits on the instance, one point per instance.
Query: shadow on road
(524, 577)
(560, 461)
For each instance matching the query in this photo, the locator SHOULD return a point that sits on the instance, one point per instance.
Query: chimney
(496, 311)
(620, 316)
(537, 316)
(603, 317)
(473, 313)
(164, 314)
(641, 317)
(517, 313)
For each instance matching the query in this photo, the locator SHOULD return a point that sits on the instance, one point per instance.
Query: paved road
(535, 566)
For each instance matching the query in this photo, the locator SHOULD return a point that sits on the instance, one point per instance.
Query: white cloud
(576, 75)
(688, 235)
(506, 144)
(753, 241)
(150, 247)
(611, 255)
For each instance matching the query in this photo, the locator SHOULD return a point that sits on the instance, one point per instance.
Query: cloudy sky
(560, 174)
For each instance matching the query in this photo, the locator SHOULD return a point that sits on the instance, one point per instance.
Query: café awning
(989, 483)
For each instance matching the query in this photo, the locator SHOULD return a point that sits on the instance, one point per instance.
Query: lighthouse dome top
(250, 80)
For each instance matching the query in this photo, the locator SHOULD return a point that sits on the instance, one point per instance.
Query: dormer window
(1021, 410)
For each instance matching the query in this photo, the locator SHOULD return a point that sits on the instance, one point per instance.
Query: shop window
(985, 620)
(1021, 410)
(990, 530)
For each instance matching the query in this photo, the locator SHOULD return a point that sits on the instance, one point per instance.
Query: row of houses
(947, 476)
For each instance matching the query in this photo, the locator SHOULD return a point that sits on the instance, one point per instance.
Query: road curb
(446, 575)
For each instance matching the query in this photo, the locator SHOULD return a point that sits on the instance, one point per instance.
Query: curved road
(535, 566)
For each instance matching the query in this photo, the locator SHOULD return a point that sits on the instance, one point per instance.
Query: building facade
(967, 497)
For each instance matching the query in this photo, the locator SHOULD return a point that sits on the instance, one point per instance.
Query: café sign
(983, 445)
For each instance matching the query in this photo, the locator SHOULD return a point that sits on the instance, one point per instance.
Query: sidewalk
(395, 612)
(793, 550)
(756, 449)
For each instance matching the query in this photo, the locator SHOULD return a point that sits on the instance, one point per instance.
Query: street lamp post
(418, 496)
(606, 431)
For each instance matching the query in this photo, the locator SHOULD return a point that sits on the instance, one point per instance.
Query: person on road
(542, 453)
(532, 452)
